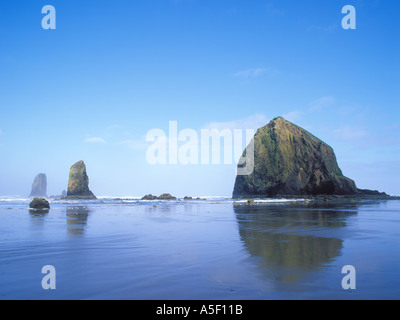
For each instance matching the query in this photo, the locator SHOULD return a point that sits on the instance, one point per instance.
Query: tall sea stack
(78, 184)
(289, 160)
(39, 186)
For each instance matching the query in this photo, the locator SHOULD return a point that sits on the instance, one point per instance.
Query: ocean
(209, 249)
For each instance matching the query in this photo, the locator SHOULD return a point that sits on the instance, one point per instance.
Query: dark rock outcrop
(78, 184)
(164, 196)
(373, 193)
(289, 160)
(39, 204)
(149, 197)
(39, 186)
(187, 198)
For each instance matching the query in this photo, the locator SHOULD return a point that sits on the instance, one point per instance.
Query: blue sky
(111, 71)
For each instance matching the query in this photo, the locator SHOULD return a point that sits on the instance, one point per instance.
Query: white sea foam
(14, 199)
(118, 197)
(17, 199)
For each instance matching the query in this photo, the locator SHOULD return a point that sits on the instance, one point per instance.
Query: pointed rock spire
(78, 184)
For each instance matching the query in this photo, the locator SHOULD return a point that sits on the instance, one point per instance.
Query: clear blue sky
(113, 70)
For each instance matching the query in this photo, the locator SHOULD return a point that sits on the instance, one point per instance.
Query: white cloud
(254, 73)
(252, 122)
(95, 140)
(135, 144)
(115, 127)
(273, 10)
(322, 103)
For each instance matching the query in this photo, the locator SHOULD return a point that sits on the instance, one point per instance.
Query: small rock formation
(250, 202)
(39, 186)
(63, 195)
(164, 196)
(372, 193)
(149, 197)
(78, 184)
(39, 204)
(288, 160)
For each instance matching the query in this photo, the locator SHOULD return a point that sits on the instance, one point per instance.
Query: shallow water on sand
(210, 249)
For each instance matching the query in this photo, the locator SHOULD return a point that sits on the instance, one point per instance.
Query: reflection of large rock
(78, 184)
(39, 186)
(77, 219)
(291, 243)
(288, 160)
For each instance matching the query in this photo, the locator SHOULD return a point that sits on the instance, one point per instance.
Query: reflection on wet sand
(38, 213)
(38, 216)
(77, 219)
(291, 242)
(158, 207)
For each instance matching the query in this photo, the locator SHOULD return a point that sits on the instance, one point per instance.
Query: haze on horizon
(93, 88)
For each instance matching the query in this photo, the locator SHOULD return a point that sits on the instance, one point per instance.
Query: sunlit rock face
(78, 184)
(289, 160)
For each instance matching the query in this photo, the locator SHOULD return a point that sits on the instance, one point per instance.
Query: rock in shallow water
(149, 197)
(164, 196)
(289, 160)
(78, 184)
(39, 203)
(39, 186)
